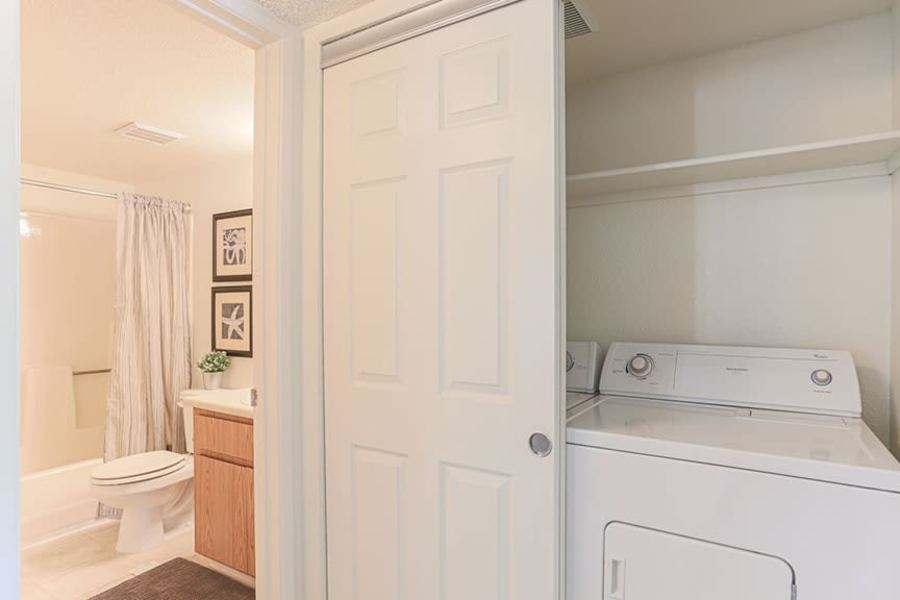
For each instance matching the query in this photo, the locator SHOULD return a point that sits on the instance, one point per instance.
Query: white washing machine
(722, 473)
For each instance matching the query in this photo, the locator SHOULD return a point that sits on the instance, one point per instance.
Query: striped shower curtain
(151, 353)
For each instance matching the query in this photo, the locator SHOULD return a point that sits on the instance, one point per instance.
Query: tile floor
(83, 564)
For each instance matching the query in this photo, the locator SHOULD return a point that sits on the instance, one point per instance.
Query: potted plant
(213, 364)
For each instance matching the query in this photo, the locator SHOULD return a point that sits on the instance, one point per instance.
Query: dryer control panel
(807, 381)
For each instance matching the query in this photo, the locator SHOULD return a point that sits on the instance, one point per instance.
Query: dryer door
(645, 564)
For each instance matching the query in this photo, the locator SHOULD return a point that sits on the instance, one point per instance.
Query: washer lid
(138, 467)
(835, 449)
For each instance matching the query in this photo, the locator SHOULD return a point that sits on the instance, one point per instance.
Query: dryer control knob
(640, 365)
(821, 377)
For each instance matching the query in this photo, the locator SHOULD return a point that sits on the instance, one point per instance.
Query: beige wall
(66, 203)
(67, 292)
(219, 187)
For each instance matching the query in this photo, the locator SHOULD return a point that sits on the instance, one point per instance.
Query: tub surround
(57, 500)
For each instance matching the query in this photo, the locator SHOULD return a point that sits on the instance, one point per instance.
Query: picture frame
(232, 245)
(232, 320)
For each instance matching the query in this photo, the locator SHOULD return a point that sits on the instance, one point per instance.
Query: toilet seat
(137, 468)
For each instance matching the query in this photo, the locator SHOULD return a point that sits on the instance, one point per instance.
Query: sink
(235, 402)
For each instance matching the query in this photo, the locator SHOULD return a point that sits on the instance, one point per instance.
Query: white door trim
(9, 298)
(279, 523)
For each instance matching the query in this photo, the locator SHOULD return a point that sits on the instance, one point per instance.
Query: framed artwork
(232, 320)
(233, 245)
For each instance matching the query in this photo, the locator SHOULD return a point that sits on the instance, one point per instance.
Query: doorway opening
(145, 115)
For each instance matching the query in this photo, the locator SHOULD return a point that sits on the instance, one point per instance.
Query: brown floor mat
(178, 579)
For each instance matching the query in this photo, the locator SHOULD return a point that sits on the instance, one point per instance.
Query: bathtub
(56, 500)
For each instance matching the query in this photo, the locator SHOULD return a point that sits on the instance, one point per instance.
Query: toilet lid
(138, 467)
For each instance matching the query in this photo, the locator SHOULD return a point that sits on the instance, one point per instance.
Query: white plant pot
(212, 381)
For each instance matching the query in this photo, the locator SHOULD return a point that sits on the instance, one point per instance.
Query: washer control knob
(821, 377)
(640, 365)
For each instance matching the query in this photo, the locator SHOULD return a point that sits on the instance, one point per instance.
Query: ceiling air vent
(149, 134)
(579, 20)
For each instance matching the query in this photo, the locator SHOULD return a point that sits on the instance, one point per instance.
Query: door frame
(312, 391)
(9, 297)
(278, 81)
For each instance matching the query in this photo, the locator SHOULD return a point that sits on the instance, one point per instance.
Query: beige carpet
(178, 579)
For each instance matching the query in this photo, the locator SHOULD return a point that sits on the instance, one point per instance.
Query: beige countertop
(230, 402)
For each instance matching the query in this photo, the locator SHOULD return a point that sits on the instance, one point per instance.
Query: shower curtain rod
(65, 188)
(68, 188)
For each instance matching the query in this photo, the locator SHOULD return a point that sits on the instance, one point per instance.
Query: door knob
(540, 444)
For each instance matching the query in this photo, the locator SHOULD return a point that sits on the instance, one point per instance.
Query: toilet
(142, 486)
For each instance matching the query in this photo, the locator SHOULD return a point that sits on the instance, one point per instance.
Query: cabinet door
(224, 513)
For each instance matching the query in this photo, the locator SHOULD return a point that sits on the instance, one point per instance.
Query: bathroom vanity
(222, 428)
(223, 489)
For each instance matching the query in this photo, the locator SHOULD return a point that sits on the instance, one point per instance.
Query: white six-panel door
(442, 316)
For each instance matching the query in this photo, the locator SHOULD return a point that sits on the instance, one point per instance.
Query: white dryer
(714, 473)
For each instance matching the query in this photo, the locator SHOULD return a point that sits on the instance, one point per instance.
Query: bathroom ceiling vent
(579, 20)
(148, 134)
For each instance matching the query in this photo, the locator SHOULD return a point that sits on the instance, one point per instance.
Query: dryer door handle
(615, 577)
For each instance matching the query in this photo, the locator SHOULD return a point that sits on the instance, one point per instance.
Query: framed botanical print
(232, 320)
(233, 245)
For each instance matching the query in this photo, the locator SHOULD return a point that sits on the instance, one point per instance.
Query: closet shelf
(831, 154)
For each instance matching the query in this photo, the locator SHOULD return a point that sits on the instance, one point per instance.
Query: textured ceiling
(306, 13)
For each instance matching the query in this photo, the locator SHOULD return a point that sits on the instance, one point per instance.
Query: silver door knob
(540, 444)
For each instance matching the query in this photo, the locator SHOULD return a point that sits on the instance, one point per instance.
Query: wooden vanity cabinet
(223, 489)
